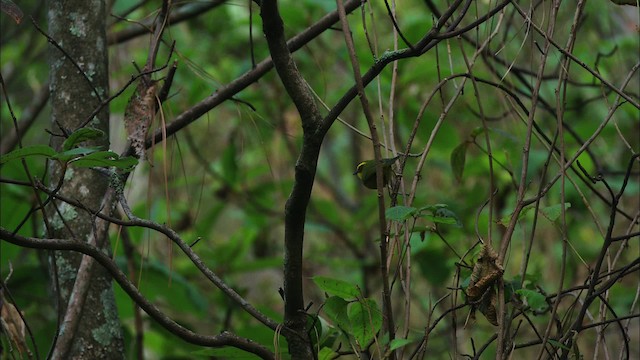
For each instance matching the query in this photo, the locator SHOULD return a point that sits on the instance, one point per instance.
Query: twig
(388, 321)
(222, 339)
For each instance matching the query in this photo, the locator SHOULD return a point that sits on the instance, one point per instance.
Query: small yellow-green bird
(366, 171)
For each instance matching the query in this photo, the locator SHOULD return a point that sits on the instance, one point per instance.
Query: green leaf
(106, 159)
(534, 299)
(75, 153)
(337, 287)
(314, 329)
(33, 150)
(553, 212)
(327, 333)
(447, 216)
(326, 354)
(366, 320)
(458, 157)
(510, 287)
(400, 213)
(398, 343)
(431, 208)
(81, 135)
(441, 220)
(336, 310)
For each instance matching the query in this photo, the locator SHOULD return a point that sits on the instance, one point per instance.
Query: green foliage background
(224, 180)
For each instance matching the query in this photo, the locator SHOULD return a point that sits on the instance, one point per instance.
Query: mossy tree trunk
(78, 29)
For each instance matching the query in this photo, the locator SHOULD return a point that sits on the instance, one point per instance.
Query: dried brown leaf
(14, 327)
(139, 114)
(481, 293)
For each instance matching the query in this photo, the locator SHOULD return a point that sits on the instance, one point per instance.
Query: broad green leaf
(400, 213)
(398, 343)
(432, 208)
(337, 287)
(336, 310)
(422, 229)
(535, 300)
(106, 159)
(81, 135)
(76, 152)
(314, 329)
(33, 150)
(553, 212)
(445, 216)
(510, 287)
(328, 333)
(326, 354)
(458, 157)
(366, 319)
(441, 220)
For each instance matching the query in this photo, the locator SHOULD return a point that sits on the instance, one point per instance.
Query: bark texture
(78, 28)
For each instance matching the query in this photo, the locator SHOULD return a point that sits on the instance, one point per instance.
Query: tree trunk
(78, 28)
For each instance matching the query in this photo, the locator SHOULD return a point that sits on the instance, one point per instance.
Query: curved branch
(231, 89)
(173, 236)
(183, 13)
(425, 44)
(581, 63)
(223, 339)
(305, 171)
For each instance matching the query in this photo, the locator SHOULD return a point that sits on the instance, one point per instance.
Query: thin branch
(186, 12)
(387, 310)
(223, 339)
(173, 236)
(305, 169)
(231, 89)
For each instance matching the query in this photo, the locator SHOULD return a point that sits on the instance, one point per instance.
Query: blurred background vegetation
(225, 178)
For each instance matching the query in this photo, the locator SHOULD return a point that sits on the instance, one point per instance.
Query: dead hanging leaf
(12, 10)
(14, 327)
(481, 293)
(139, 114)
